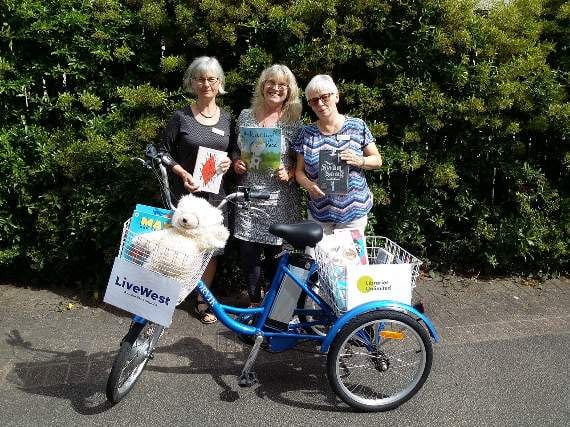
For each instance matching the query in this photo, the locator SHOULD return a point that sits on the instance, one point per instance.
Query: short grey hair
(204, 65)
(321, 83)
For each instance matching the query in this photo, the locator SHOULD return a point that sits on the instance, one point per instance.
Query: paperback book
(384, 257)
(359, 242)
(207, 170)
(260, 147)
(333, 173)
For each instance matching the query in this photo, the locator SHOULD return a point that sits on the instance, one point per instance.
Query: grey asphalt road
(503, 361)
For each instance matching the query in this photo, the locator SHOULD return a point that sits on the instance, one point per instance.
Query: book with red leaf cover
(207, 170)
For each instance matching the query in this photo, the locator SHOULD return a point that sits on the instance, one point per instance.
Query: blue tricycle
(379, 353)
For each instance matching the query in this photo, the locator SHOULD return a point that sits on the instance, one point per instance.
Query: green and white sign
(376, 282)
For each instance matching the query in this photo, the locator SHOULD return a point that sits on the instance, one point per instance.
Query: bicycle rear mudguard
(376, 305)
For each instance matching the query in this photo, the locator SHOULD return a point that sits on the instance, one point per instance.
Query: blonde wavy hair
(292, 106)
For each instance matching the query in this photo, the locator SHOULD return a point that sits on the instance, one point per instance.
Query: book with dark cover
(333, 173)
(384, 257)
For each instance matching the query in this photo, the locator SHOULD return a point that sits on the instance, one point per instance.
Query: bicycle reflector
(392, 335)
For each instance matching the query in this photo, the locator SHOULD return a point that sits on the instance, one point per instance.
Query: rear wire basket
(186, 269)
(331, 273)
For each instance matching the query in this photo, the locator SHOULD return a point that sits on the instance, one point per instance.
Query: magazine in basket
(144, 220)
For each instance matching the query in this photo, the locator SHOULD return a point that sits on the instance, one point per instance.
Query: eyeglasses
(273, 83)
(203, 80)
(325, 97)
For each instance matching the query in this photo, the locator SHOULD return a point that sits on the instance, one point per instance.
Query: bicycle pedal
(247, 379)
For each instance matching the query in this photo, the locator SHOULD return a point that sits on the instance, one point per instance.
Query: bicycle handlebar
(244, 194)
(259, 195)
(155, 159)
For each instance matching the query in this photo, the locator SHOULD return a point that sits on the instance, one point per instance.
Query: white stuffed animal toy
(197, 226)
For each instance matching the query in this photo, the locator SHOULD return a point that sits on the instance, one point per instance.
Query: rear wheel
(135, 352)
(379, 360)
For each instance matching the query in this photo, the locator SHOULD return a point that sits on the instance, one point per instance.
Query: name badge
(218, 131)
(343, 137)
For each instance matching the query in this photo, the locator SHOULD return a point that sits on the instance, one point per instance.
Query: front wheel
(379, 360)
(135, 352)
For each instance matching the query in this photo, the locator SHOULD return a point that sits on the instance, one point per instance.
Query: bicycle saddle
(299, 235)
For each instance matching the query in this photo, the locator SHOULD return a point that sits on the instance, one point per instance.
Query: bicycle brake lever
(260, 210)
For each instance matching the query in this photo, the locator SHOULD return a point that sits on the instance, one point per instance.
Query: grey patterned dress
(284, 205)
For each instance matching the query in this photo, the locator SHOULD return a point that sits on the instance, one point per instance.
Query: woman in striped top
(356, 146)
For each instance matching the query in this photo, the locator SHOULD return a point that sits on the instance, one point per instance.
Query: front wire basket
(331, 274)
(186, 269)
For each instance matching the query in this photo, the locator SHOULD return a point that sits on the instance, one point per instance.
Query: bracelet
(363, 162)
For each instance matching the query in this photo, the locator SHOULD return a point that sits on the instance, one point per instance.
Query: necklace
(206, 116)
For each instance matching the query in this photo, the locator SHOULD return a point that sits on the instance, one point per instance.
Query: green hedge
(470, 109)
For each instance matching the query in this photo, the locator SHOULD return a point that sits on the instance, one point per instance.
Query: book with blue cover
(260, 147)
(144, 220)
(147, 218)
(153, 210)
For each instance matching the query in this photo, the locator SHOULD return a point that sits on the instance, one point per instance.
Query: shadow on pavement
(75, 376)
(298, 372)
(292, 378)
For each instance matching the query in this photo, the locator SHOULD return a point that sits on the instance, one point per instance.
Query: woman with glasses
(355, 146)
(275, 104)
(202, 123)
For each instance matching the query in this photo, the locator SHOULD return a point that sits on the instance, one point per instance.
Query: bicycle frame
(260, 327)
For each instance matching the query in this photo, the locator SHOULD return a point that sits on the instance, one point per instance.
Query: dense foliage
(470, 109)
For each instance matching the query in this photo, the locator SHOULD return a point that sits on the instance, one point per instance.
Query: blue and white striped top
(357, 202)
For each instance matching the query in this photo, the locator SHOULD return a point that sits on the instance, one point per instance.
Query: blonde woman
(275, 103)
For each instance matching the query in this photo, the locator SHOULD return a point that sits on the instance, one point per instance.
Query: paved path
(510, 333)
(469, 310)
